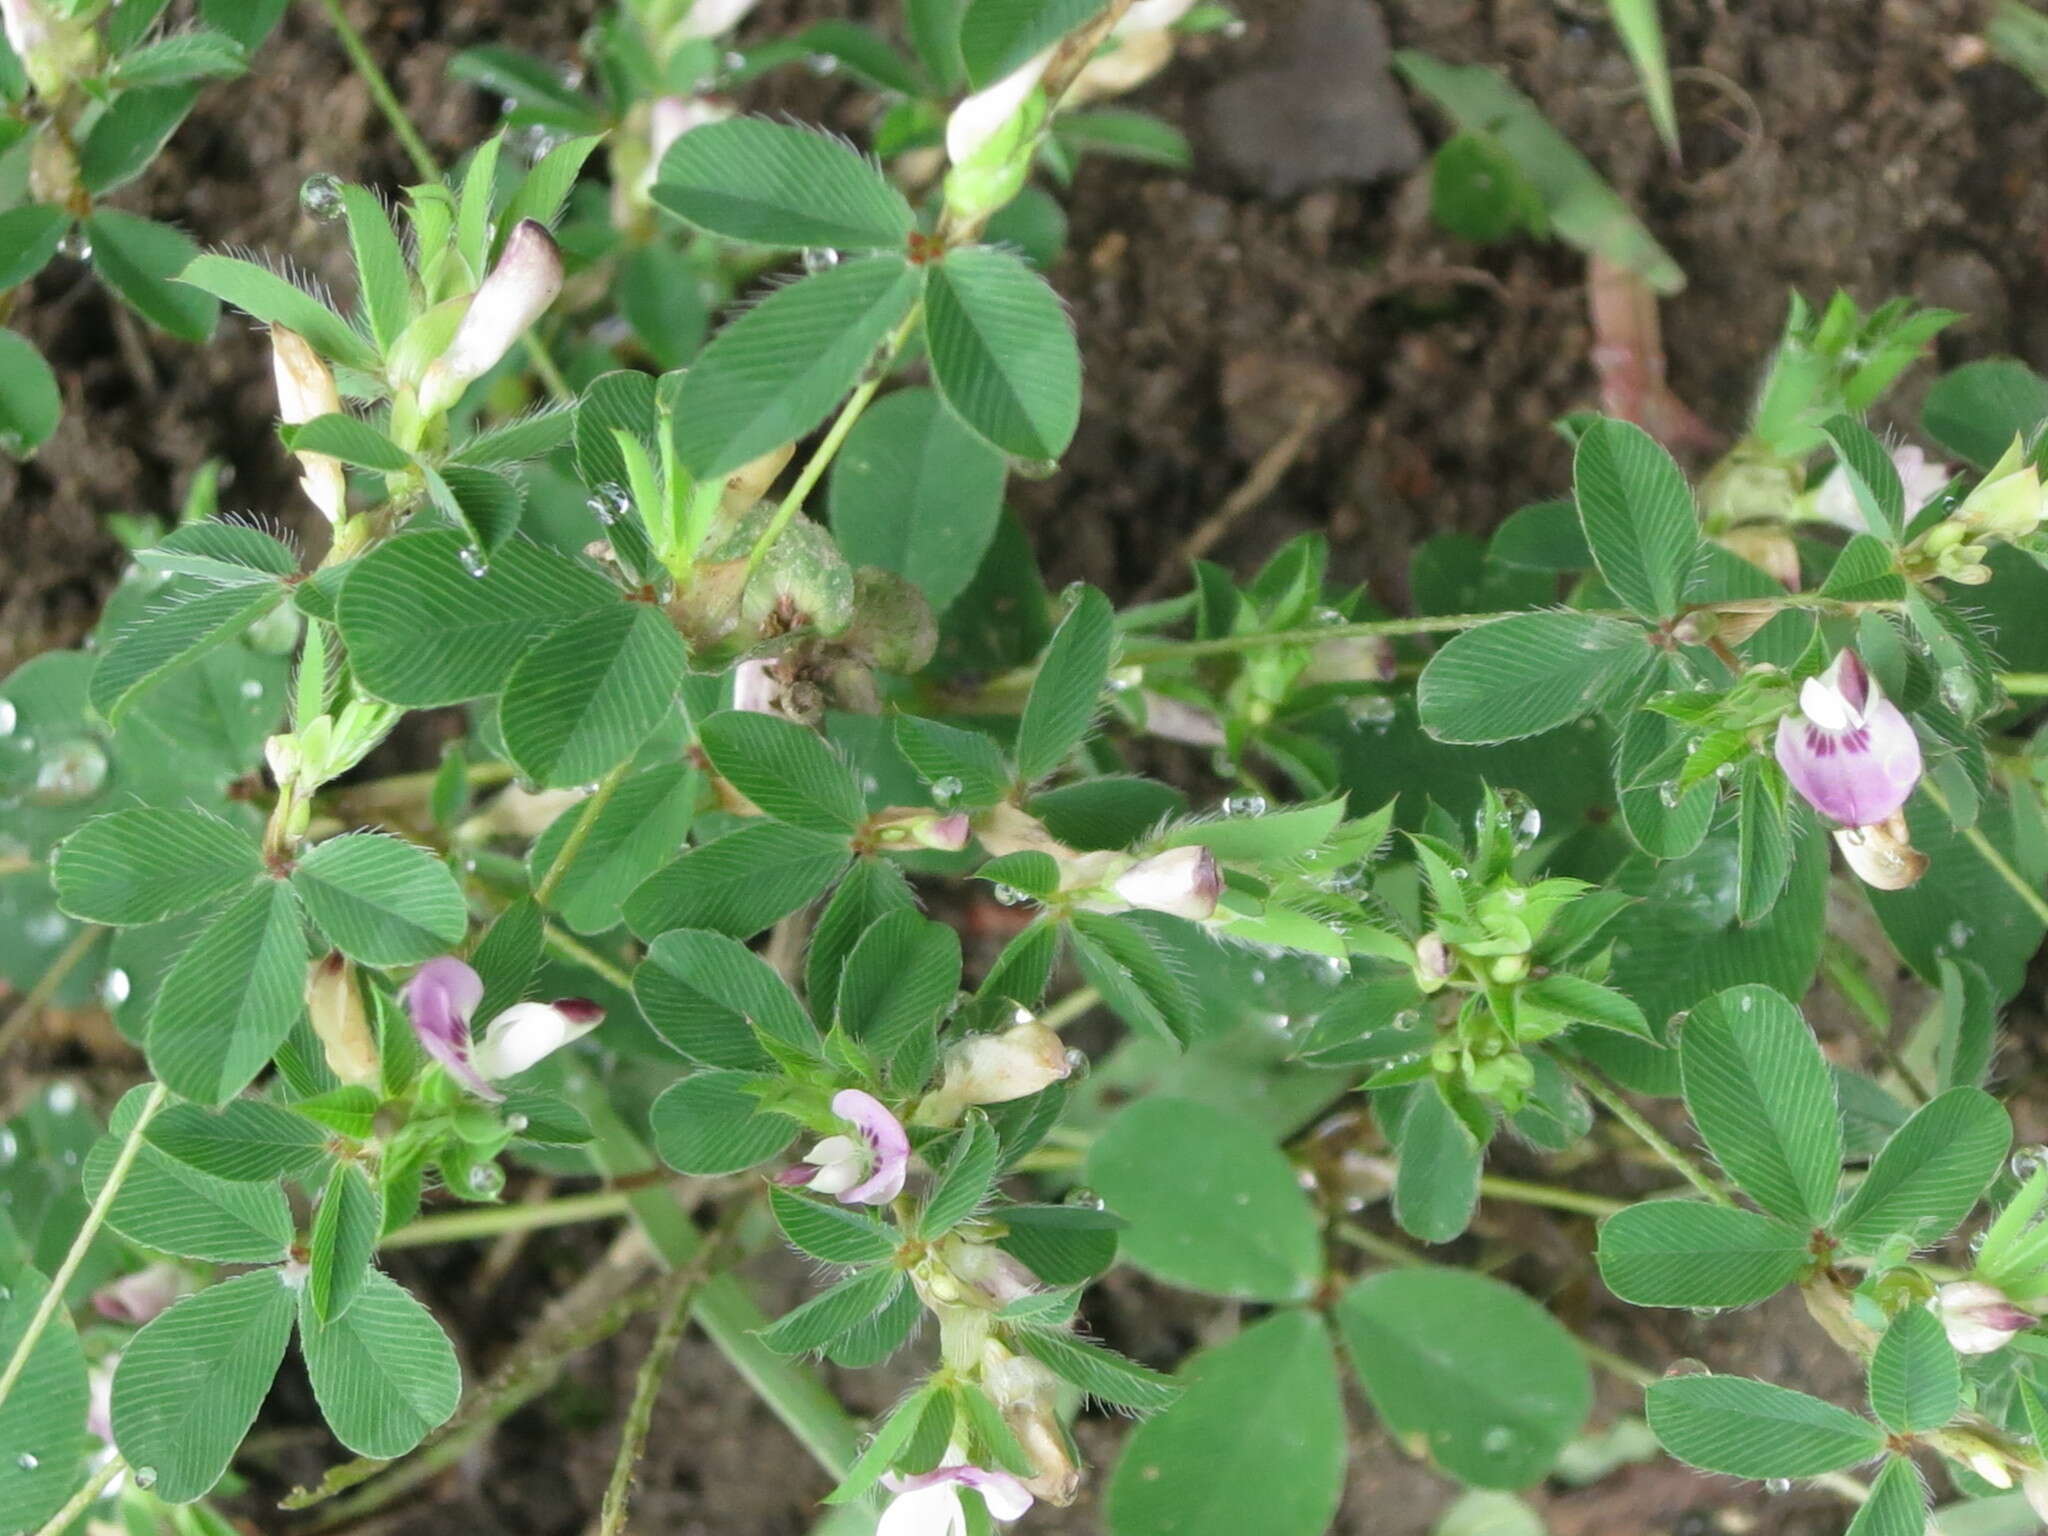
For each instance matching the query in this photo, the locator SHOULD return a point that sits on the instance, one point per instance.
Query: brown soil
(1826, 146)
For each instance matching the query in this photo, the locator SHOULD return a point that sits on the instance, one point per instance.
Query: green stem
(1070, 1008)
(84, 1499)
(1178, 650)
(1522, 1192)
(492, 1220)
(1840, 965)
(38, 996)
(2025, 685)
(579, 834)
(828, 448)
(725, 1312)
(1612, 1101)
(1974, 836)
(574, 949)
(53, 1297)
(544, 364)
(380, 90)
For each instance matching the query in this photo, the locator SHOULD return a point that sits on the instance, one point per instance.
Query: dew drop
(1077, 1064)
(1686, 1367)
(61, 1098)
(486, 1179)
(76, 244)
(473, 561)
(115, 988)
(516, 1122)
(1008, 895)
(46, 930)
(1497, 1440)
(1959, 935)
(1748, 1002)
(946, 790)
(1245, 805)
(822, 64)
(145, 1477)
(2028, 1161)
(1778, 1485)
(9, 717)
(28, 1461)
(609, 502)
(320, 195)
(10, 1147)
(252, 689)
(68, 772)
(1085, 1198)
(1236, 27)
(1667, 794)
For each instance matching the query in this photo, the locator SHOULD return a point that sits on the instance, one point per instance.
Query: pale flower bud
(1978, 1317)
(2008, 503)
(754, 688)
(1434, 962)
(305, 389)
(523, 1034)
(674, 116)
(335, 1007)
(983, 115)
(709, 18)
(518, 292)
(996, 1068)
(2035, 1486)
(1184, 882)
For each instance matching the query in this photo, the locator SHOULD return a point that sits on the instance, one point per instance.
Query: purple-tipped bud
(754, 686)
(1182, 881)
(866, 1168)
(518, 292)
(929, 1503)
(1978, 1317)
(527, 1032)
(1849, 751)
(996, 1068)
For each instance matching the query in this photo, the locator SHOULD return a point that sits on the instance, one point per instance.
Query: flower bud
(335, 1007)
(305, 389)
(994, 1069)
(1184, 882)
(1171, 719)
(709, 18)
(1978, 1317)
(975, 123)
(1434, 962)
(53, 50)
(987, 1274)
(2008, 503)
(136, 1299)
(940, 831)
(2035, 1486)
(518, 292)
(523, 1034)
(1769, 548)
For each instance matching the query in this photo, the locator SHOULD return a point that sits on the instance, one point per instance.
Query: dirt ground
(1826, 145)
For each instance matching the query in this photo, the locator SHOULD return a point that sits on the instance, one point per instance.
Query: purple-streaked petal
(887, 1143)
(1857, 773)
(439, 999)
(1007, 1498)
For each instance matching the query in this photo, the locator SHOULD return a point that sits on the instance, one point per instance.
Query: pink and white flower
(443, 994)
(1849, 752)
(138, 1298)
(929, 1503)
(866, 1168)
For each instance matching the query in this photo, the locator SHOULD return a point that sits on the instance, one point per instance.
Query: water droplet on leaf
(609, 502)
(473, 561)
(115, 988)
(320, 195)
(1085, 1198)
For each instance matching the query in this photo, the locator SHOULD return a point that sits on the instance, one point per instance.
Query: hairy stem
(492, 1220)
(575, 949)
(53, 1297)
(725, 1312)
(668, 1338)
(379, 87)
(1611, 1100)
(38, 996)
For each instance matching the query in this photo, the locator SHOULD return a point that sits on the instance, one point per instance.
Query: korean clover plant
(790, 829)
